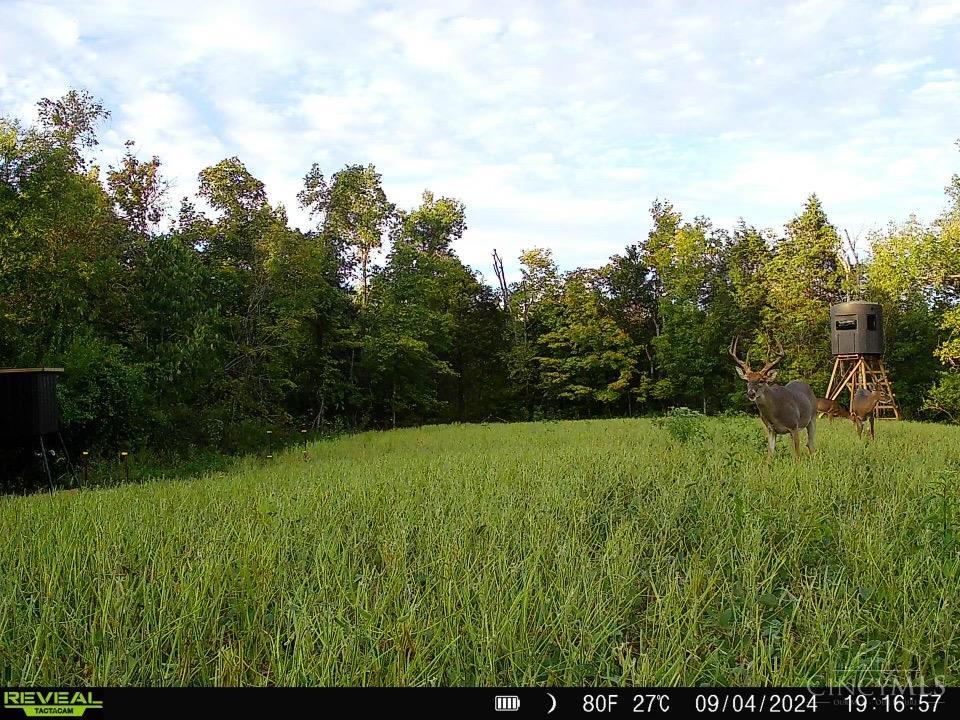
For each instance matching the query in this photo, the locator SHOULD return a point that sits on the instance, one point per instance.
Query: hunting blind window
(871, 322)
(847, 325)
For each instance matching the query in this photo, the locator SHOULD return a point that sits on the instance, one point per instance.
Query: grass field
(630, 552)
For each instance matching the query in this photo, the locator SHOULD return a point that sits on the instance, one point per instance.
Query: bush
(684, 424)
(101, 396)
(944, 397)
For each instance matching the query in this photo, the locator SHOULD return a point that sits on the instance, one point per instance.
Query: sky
(557, 123)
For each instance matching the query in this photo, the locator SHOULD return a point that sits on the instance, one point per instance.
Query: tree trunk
(461, 399)
(364, 259)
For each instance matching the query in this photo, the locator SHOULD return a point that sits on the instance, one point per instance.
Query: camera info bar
(96, 703)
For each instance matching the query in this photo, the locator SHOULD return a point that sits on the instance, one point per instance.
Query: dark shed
(28, 402)
(856, 328)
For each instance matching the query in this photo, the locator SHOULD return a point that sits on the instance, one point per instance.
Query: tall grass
(599, 552)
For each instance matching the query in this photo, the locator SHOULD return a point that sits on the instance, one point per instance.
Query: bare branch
(501, 278)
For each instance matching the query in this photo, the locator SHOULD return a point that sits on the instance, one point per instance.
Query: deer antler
(776, 361)
(733, 353)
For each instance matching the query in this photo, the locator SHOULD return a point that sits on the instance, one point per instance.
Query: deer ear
(771, 374)
(741, 373)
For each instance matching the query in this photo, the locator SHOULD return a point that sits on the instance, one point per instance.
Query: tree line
(203, 324)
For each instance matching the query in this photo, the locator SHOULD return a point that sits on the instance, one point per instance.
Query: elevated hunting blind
(857, 346)
(856, 328)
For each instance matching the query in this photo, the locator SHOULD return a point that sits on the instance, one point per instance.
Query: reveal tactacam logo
(60, 703)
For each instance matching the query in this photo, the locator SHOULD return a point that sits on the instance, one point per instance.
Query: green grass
(628, 552)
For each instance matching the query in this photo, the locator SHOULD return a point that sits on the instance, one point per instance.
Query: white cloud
(940, 90)
(475, 27)
(556, 123)
(900, 68)
(164, 124)
(525, 27)
(894, 10)
(59, 28)
(941, 74)
(940, 12)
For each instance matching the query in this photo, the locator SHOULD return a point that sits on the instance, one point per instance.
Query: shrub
(101, 396)
(684, 424)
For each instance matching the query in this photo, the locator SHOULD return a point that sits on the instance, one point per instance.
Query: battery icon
(506, 703)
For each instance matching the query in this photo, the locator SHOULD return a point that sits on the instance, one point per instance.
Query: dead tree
(502, 279)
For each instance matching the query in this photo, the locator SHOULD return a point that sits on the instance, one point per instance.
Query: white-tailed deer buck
(783, 408)
(863, 405)
(831, 408)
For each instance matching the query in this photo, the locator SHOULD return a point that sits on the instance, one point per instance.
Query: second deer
(863, 407)
(831, 408)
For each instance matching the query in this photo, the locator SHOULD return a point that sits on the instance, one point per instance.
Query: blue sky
(557, 123)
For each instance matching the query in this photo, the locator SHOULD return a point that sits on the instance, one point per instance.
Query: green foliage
(804, 280)
(693, 308)
(102, 383)
(683, 425)
(228, 186)
(746, 258)
(434, 226)
(138, 191)
(585, 360)
(198, 329)
(898, 278)
(354, 214)
(949, 350)
(944, 397)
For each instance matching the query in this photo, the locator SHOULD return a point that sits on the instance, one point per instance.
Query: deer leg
(795, 435)
(872, 436)
(771, 443)
(811, 431)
